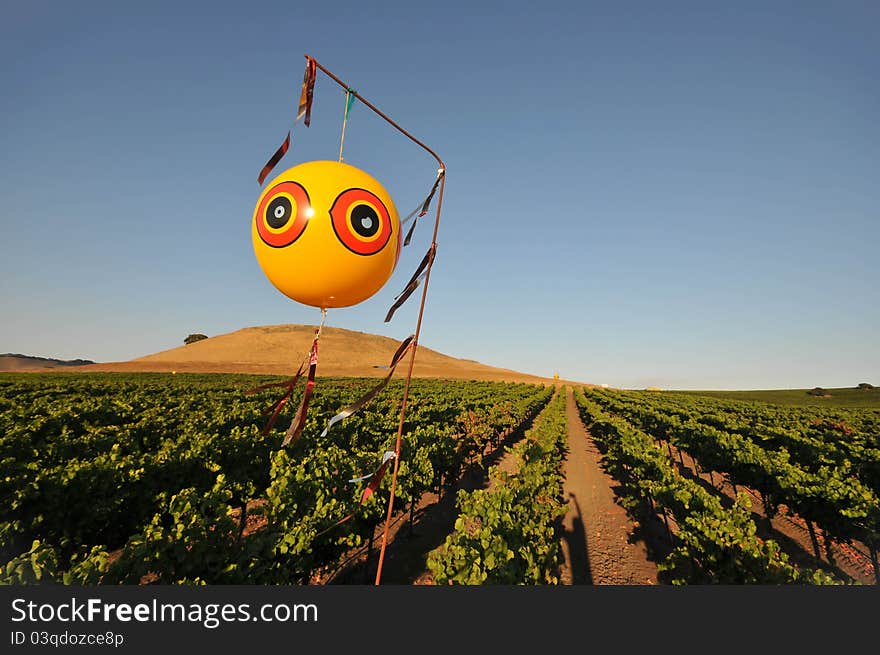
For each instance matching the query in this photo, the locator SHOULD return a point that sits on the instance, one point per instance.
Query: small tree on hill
(193, 338)
(865, 386)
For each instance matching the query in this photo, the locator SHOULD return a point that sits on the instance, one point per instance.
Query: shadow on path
(575, 539)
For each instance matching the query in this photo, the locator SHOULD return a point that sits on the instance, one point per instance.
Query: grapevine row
(507, 534)
(127, 480)
(714, 544)
(829, 496)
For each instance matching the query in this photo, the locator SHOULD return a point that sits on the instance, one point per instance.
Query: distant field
(800, 397)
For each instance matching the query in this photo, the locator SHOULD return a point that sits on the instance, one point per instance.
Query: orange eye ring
(361, 221)
(283, 214)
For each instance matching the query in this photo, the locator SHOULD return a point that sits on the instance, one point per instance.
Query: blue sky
(681, 195)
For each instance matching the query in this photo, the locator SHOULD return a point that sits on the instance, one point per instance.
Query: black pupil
(364, 220)
(278, 212)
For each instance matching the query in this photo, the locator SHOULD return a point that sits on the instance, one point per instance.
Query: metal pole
(380, 113)
(412, 357)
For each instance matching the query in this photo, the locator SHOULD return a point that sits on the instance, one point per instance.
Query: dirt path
(601, 545)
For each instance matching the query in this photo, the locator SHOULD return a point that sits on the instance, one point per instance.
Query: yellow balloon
(326, 234)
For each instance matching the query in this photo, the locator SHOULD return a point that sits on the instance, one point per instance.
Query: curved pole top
(380, 113)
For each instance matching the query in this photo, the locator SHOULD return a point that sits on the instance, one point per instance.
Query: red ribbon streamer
(376, 481)
(304, 110)
(413, 282)
(299, 422)
(345, 412)
(279, 404)
(369, 490)
(424, 209)
(273, 160)
(307, 94)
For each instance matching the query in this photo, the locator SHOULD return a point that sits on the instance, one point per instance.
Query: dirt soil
(601, 544)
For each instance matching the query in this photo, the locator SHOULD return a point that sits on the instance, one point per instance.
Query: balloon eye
(361, 221)
(278, 212)
(364, 220)
(283, 214)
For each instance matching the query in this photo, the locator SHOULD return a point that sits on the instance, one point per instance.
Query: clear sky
(679, 194)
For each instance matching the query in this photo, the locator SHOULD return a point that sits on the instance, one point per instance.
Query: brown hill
(15, 362)
(278, 350)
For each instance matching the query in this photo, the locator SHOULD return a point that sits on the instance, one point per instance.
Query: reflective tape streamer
(345, 412)
(299, 422)
(413, 282)
(307, 94)
(368, 491)
(421, 209)
(388, 455)
(303, 111)
(377, 477)
(273, 160)
(279, 404)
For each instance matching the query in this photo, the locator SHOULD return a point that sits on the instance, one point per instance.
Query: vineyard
(154, 478)
(819, 466)
(507, 534)
(159, 478)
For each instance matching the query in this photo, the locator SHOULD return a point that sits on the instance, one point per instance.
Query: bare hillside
(278, 349)
(16, 362)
